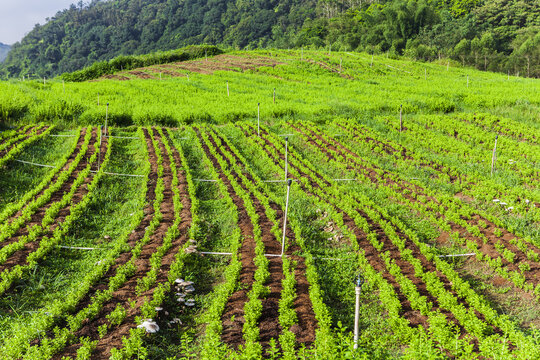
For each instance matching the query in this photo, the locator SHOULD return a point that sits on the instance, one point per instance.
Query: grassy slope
(304, 91)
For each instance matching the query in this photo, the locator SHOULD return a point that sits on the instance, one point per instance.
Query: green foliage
(90, 35)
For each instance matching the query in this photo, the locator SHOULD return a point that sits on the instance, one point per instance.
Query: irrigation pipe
(122, 137)
(456, 255)
(78, 248)
(398, 69)
(200, 180)
(34, 164)
(115, 174)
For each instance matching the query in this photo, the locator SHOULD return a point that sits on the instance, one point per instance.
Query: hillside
(4, 50)
(239, 206)
(496, 35)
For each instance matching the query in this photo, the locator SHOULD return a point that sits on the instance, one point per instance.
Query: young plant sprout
(150, 326)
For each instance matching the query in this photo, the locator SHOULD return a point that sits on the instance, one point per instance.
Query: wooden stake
(425, 74)
(274, 96)
(99, 153)
(358, 291)
(97, 99)
(285, 218)
(188, 77)
(106, 118)
(371, 60)
(258, 119)
(43, 81)
(286, 157)
(160, 75)
(494, 155)
(400, 118)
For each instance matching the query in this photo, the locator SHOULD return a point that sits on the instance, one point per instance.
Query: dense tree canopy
(500, 35)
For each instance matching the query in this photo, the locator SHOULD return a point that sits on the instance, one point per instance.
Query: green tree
(462, 49)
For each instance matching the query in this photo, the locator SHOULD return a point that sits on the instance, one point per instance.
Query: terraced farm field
(164, 235)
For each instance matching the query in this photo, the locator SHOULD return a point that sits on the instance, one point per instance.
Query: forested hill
(498, 35)
(4, 49)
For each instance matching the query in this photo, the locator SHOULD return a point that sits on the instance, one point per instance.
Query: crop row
(287, 316)
(458, 217)
(429, 255)
(14, 146)
(471, 183)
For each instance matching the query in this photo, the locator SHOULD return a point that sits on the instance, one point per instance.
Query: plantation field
(162, 236)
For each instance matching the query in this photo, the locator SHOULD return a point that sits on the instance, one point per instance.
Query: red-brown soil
(70, 159)
(407, 270)
(222, 62)
(127, 292)
(19, 257)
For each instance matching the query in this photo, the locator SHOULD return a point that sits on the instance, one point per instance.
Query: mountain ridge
(497, 35)
(4, 50)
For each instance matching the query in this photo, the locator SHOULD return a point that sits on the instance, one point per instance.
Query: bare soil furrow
(70, 159)
(233, 315)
